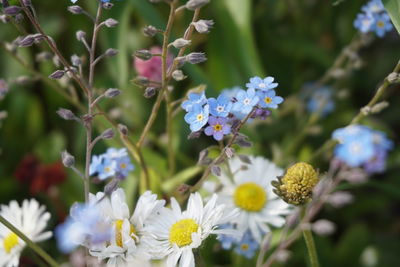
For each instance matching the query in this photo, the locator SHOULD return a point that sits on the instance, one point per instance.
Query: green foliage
(393, 8)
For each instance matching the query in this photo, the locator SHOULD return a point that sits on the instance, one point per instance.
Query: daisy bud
(110, 52)
(150, 31)
(178, 75)
(66, 114)
(194, 4)
(108, 134)
(203, 26)
(28, 40)
(181, 43)
(12, 10)
(80, 35)
(143, 54)
(58, 74)
(195, 58)
(110, 23)
(123, 129)
(297, 184)
(149, 92)
(67, 159)
(75, 60)
(75, 10)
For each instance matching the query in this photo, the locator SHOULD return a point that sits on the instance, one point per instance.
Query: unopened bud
(150, 31)
(195, 58)
(216, 170)
(123, 129)
(75, 10)
(379, 107)
(58, 74)
(43, 56)
(19, 18)
(194, 4)
(66, 114)
(75, 60)
(141, 81)
(110, 23)
(27, 2)
(108, 134)
(12, 10)
(112, 92)
(178, 75)
(110, 52)
(143, 54)
(203, 26)
(393, 77)
(229, 152)
(149, 92)
(107, 5)
(180, 43)
(28, 40)
(23, 80)
(67, 159)
(80, 35)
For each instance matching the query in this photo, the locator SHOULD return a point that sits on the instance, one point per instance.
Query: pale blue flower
(221, 106)
(261, 84)
(269, 99)
(227, 241)
(247, 246)
(218, 127)
(197, 117)
(85, 225)
(373, 6)
(115, 162)
(246, 100)
(321, 101)
(355, 152)
(364, 22)
(194, 99)
(382, 24)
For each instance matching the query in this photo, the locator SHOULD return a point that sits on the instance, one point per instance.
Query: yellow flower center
(199, 117)
(118, 232)
(244, 247)
(381, 24)
(107, 169)
(10, 242)
(123, 165)
(267, 100)
(181, 232)
(217, 127)
(250, 197)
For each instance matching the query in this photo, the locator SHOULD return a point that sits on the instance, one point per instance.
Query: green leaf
(393, 8)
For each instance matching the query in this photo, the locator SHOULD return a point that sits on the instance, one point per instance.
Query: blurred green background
(294, 41)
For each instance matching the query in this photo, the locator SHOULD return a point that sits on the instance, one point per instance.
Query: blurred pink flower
(151, 68)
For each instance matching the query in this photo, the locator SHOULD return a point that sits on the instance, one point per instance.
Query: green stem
(312, 252)
(50, 261)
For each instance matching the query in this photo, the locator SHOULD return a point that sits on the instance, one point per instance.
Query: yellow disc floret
(250, 197)
(181, 232)
(297, 184)
(118, 232)
(10, 242)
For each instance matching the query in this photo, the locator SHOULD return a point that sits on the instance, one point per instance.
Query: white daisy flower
(126, 242)
(31, 219)
(177, 233)
(248, 187)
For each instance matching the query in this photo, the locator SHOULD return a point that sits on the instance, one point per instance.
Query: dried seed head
(297, 184)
